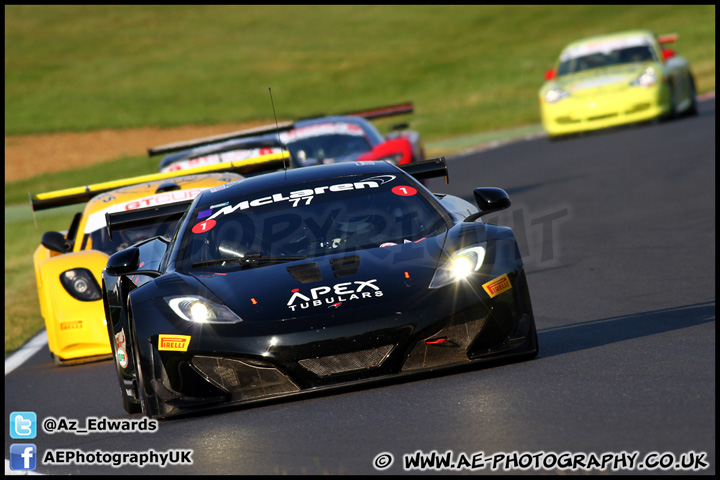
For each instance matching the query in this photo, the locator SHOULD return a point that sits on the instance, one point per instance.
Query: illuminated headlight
(555, 94)
(459, 266)
(196, 309)
(394, 159)
(647, 79)
(81, 284)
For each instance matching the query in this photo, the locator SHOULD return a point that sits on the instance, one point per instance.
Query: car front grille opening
(244, 380)
(347, 362)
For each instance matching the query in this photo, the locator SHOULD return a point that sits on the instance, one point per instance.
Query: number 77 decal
(295, 201)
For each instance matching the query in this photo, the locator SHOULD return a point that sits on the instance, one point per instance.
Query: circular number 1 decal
(404, 190)
(203, 227)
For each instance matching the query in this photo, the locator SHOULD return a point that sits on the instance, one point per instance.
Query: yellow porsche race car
(615, 79)
(68, 267)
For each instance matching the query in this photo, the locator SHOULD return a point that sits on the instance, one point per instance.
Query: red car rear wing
(369, 114)
(199, 142)
(667, 38)
(379, 112)
(372, 113)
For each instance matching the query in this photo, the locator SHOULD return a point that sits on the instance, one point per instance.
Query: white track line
(11, 363)
(26, 351)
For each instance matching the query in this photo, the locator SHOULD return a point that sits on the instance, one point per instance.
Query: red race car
(311, 141)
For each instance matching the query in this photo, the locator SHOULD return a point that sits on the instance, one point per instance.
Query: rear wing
(435, 167)
(667, 38)
(380, 112)
(69, 196)
(199, 142)
(143, 217)
(370, 114)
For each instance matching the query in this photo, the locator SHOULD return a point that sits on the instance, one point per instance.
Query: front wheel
(672, 111)
(129, 403)
(148, 403)
(693, 109)
(130, 406)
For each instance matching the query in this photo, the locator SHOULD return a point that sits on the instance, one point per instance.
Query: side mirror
(668, 53)
(489, 199)
(550, 74)
(123, 262)
(54, 241)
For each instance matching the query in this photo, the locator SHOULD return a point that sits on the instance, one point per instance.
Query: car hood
(604, 79)
(392, 277)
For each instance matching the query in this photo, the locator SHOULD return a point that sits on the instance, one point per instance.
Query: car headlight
(81, 285)
(459, 266)
(646, 79)
(195, 309)
(555, 94)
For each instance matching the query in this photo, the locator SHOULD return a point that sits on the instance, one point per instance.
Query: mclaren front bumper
(451, 327)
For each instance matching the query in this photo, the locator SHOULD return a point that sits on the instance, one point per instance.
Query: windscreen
(326, 142)
(310, 219)
(606, 53)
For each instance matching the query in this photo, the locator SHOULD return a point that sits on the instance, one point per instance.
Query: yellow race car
(68, 266)
(615, 79)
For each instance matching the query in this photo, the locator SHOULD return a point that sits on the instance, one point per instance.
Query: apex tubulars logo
(334, 296)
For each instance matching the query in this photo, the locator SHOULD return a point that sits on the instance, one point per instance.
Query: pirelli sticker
(497, 286)
(73, 325)
(174, 343)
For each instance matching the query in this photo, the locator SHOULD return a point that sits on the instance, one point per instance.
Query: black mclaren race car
(317, 277)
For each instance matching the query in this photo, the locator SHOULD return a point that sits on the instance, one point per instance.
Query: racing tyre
(130, 406)
(148, 404)
(693, 109)
(534, 353)
(672, 113)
